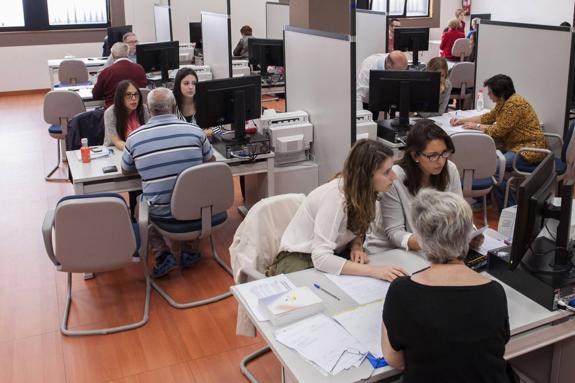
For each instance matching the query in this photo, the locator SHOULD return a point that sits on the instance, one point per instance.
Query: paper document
(323, 342)
(479, 231)
(362, 289)
(492, 240)
(252, 292)
(364, 324)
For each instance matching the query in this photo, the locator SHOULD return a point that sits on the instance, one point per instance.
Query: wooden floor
(194, 345)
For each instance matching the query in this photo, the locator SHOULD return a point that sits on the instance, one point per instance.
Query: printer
(365, 126)
(240, 68)
(203, 71)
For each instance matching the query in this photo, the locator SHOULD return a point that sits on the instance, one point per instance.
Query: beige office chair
(254, 248)
(144, 92)
(94, 233)
(462, 78)
(59, 108)
(476, 159)
(461, 48)
(72, 72)
(199, 204)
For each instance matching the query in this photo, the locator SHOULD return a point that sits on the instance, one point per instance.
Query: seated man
(131, 40)
(380, 61)
(160, 150)
(122, 69)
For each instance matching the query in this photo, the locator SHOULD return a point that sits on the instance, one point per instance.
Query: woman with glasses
(126, 114)
(425, 164)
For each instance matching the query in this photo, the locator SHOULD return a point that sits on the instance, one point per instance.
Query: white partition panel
(541, 76)
(162, 23)
(319, 75)
(216, 43)
(277, 16)
(370, 32)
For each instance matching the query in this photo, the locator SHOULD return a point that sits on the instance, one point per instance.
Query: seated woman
(448, 39)
(424, 164)
(513, 121)
(241, 49)
(439, 64)
(335, 216)
(446, 323)
(127, 114)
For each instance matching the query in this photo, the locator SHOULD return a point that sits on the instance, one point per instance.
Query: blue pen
(325, 291)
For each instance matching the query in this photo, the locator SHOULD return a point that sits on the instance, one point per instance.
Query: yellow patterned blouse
(515, 124)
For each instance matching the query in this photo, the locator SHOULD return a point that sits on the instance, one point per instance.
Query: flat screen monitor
(161, 56)
(406, 91)
(411, 39)
(264, 52)
(363, 4)
(196, 34)
(534, 205)
(482, 16)
(115, 35)
(229, 101)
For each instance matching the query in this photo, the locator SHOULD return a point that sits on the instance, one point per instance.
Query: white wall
(249, 12)
(546, 12)
(140, 14)
(187, 11)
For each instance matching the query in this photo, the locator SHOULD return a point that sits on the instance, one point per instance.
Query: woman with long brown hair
(328, 230)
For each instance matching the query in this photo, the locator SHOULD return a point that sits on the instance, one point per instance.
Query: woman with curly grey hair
(446, 323)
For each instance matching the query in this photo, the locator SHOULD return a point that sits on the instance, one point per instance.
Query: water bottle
(480, 103)
(85, 151)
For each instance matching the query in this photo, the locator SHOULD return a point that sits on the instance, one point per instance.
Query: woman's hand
(412, 243)
(388, 273)
(357, 255)
(208, 132)
(455, 122)
(477, 241)
(470, 125)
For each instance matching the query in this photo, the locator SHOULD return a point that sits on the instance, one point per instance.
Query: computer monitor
(411, 39)
(362, 4)
(408, 91)
(229, 101)
(159, 57)
(264, 52)
(115, 35)
(482, 16)
(196, 34)
(534, 205)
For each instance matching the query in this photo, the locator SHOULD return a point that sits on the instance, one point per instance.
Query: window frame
(404, 14)
(36, 18)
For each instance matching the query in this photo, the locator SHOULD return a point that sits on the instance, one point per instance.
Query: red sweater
(447, 41)
(109, 78)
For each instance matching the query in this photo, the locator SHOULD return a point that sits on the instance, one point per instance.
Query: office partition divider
(542, 76)
(320, 79)
(370, 34)
(162, 23)
(277, 16)
(216, 44)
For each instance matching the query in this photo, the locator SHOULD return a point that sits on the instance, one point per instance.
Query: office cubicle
(216, 43)
(320, 79)
(370, 34)
(163, 23)
(277, 16)
(542, 76)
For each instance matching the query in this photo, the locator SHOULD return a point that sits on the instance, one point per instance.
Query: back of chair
(461, 48)
(462, 75)
(145, 92)
(475, 157)
(93, 233)
(205, 187)
(60, 106)
(72, 72)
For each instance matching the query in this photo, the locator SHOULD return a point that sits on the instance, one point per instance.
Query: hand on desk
(388, 273)
(477, 241)
(358, 256)
(455, 122)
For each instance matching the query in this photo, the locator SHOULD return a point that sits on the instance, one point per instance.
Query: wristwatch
(477, 126)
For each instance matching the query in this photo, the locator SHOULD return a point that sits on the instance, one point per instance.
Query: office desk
(85, 92)
(93, 64)
(530, 323)
(89, 178)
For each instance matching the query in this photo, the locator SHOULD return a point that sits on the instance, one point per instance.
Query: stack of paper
(492, 240)
(364, 324)
(324, 343)
(254, 291)
(362, 289)
(287, 307)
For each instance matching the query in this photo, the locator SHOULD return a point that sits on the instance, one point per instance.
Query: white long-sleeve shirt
(319, 227)
(373, 62)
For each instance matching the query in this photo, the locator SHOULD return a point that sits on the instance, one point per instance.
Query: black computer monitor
(406, 91)
(229, 101)
(482, 16)
(534, 205)
(264, 52)
(159, 57)
(411, 39)
(115, 35)
(363, 4)
(196, 34)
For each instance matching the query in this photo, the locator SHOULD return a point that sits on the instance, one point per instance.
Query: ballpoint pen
(325, 291)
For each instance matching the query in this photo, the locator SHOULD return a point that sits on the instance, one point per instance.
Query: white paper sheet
(492, 240)
(252, 292)
(362, 289)
(364, 324)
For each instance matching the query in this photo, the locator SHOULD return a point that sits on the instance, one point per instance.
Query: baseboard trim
(29, 92)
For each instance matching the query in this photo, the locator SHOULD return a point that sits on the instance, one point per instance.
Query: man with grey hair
(160, 150)
(122, 69)
(131, 41)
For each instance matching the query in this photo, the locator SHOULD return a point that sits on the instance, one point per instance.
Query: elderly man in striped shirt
(159, 151)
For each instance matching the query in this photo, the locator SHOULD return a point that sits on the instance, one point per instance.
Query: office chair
(144, 92)
(59, 108)
(476, 159)
(462, 78)
(199, 204)
(94, 233)
(254, 248)
(73, 72)
(461, 48)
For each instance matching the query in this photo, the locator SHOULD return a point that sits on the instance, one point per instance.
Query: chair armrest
(249, 274)
(527, 150)
(554, 142)
(47, 234)
(143, 223)
(502, 166)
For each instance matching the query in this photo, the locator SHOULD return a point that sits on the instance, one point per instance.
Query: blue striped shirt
(160, 150)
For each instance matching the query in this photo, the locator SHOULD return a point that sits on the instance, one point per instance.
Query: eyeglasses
(435, 156)
(131, 42)
(129, 96)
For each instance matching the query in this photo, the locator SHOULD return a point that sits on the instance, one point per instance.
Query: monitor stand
(392, 130)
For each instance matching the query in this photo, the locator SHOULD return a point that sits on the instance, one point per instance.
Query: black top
(448, 333)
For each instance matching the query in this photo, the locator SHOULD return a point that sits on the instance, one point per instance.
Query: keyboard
(475, 260)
